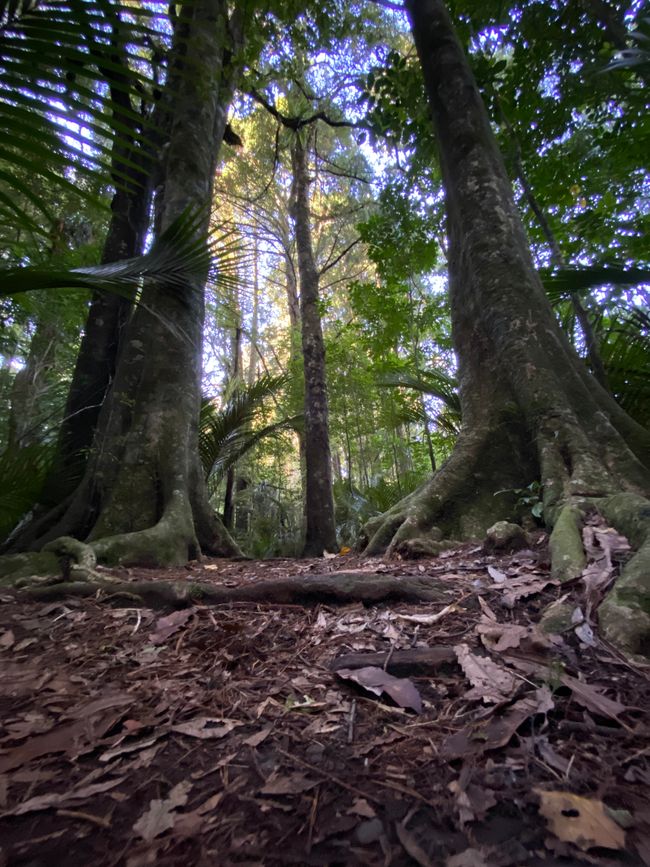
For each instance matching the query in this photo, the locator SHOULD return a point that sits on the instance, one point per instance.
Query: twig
(87, 817)
(353, 711)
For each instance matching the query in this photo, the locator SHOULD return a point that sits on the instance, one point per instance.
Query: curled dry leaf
(377, 681)
(160, 815)
(293, 784)
(504, 636)
(581, 821)
(427, 619)
(491, 682)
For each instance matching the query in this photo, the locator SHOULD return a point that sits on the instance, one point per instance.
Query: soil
(224, 735)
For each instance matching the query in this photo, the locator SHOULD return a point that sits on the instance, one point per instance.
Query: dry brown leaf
(411, 846)
(592, 698)
(7, 639)
(206, 727)
(91, 721)
(491, 682)
(256, 739)
(58, 799)
(160, 815)
(523, 585)
(501, 636)
(499, 728)
(166, 626)
(294, 784)
(377, 681)
(362, 808)
(468, 858)
(581, 821)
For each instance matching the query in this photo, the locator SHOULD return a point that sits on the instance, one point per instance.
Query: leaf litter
(224, 736)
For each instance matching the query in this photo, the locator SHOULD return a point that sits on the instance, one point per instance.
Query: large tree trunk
(320, 529)
(530, 408)
(143, 498)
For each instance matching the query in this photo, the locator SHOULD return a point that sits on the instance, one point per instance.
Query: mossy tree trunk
(142, 498)
(531, 410)
(320, 528)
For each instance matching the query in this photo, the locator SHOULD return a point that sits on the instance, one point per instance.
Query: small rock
(370, 831)
(504, 536)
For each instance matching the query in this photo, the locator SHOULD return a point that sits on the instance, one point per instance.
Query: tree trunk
(531, 410)
(143, 498)
(235, 373)
(320, 530)
(30, 386)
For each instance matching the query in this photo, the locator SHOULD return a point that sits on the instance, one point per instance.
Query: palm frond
(73, 78)
(224, 431)
(23, 473)
(625, 350)
(560, 284)
(180, 254)
(433, 382)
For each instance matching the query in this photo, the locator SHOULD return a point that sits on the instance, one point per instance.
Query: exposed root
(624, 617)
(568, 557)
(338, 588)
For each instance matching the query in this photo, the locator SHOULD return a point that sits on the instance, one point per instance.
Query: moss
(568, 557)
(630, 514)
(16, 567)
(556, 617)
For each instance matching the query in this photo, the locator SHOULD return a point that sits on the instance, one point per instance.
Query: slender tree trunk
(143, 497)
(254, 335)
(531, 410)
(320, 531)
(30, 385)
(235, 371)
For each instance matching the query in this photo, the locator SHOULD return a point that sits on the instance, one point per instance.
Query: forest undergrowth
(492, 726)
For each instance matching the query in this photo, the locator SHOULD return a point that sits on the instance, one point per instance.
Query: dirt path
(223, 735)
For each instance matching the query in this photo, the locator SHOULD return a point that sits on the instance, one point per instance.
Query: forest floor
(224, 735)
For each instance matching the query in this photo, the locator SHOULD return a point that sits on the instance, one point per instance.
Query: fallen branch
(419, 660)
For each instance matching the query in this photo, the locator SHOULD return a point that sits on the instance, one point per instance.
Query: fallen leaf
(91, 722)
(489, 613)
(256, 739)
(592, 698)
(496, 575)
(491, 682)
(58, 799)
(581, 821)
(166, 626)
(523, 585)
(411, 846)
(294, 784)
(327, 555)
(476, 738)
(377, 681)
(160, 815)
(206, 727)
(7, 639)
(585, 634)
(362, 808)
(501, 636)
(468, 858)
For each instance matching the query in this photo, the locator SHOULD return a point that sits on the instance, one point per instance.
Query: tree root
(339, 588)
(568, 557)
(624, 617)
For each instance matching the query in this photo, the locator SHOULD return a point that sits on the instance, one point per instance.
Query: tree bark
(143, 498)
(320, 530)
(530, 407)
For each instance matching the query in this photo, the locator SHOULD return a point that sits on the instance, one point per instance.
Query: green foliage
(23, 473)
(226, 433)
